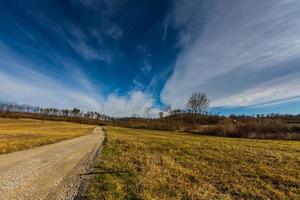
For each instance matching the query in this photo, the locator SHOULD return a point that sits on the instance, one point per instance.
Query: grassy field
(20, 134)
(143, 164)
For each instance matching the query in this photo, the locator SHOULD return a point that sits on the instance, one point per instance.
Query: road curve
(48, 172)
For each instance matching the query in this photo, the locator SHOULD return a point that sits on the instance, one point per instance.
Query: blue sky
(120, 57)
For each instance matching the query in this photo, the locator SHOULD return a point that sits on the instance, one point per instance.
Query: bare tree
(161, 115)
(197, 103)
(168, 109)
(147, 112)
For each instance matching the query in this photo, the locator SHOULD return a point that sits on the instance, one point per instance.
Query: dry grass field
(143, 164)
(21, 134)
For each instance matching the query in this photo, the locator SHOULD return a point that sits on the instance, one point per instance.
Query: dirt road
(49, 172)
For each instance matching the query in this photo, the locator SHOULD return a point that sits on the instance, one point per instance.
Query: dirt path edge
(82, 193)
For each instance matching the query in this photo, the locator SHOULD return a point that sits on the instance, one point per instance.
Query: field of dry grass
(21, 134)
(143, 164)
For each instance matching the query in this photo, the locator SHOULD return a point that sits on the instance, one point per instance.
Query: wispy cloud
(237, 51)
(52, 60)
(146, 67)
(43, 92)
(268, 93)
(22, 83)
(88, 52)
(146, 55)
(47, 92)
(79, 41)
(165, 25)
(71, 34)
(115, 32)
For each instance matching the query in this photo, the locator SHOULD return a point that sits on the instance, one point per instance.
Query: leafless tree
(197, 103)
(147, 112)
(161, 115)
(168, 109)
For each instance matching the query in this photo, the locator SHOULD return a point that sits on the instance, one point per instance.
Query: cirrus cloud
(242, 53)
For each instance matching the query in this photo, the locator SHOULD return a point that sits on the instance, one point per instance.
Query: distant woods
(197, 104)
(51, 113)
(193, 119)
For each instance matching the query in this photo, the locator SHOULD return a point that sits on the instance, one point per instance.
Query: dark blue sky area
(128, 38)
(123, 56)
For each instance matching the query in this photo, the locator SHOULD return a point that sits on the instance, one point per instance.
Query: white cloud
(269, 93)
(239, 52)
(136, 102)
(22, 84)
(43, 92)
(46, 92)
(80, 44)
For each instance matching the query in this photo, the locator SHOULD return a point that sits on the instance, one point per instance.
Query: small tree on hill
(168, 109)
(197, 103)
(161, 115)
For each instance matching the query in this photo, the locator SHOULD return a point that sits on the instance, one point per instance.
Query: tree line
(75, 112)
(197, 104)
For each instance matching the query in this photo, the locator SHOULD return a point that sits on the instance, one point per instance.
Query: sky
(123, 57)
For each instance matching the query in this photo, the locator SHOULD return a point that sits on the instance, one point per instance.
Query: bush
(254, 128)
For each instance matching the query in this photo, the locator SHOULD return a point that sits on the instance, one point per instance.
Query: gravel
(49, 172)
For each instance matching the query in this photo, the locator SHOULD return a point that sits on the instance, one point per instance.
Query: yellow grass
(21, 134)
(143, 164)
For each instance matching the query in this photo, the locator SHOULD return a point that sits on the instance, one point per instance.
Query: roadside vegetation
(193, 119)
(144, 164)
(21, 134)
(237, 127)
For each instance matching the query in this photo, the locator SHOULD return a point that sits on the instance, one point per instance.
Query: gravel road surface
(49, 172)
